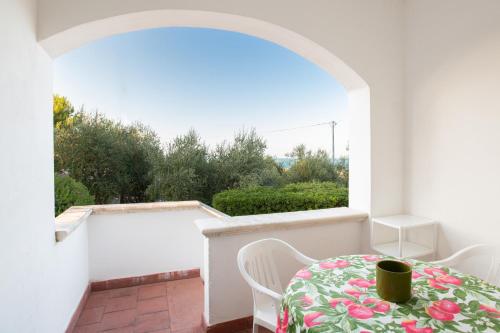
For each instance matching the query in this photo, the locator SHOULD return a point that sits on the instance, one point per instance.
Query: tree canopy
(114, 161)
(63, 111)
(127, 163)
(310, 166)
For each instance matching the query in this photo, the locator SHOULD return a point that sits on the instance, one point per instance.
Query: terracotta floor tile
(118, 319)
(165, 307)
(185, 303)
(152, 305)
(92, 328)
(189, 330)
(90, 316)
(96, 300)
(152, 291)
(128, 329)
(121, 303)
(152, 321)
(120, 292)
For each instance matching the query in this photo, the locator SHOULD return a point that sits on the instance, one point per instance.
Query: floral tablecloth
(339, 295)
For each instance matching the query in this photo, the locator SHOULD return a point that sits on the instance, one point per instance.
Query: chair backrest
(492, 271)
(257, 265)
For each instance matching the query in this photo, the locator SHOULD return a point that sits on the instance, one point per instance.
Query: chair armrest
(305, 259)
(266, 291)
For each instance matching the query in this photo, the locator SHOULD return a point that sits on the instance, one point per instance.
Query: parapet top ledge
(70, 219)
(214, 227)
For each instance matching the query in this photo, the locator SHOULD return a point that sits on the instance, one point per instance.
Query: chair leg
(255, 327)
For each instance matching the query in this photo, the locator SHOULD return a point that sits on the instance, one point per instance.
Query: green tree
(190, 171)
(182, 172)
(342, 171)
(237, 163)
(69, 192)
(63, 111)
(310, 166)
(271, 175)
(114, 161)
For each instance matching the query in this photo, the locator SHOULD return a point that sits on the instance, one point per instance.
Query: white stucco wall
(452, 158)
(443, 57)
(223, 277)
(135, 244)
(366, 35)
(41, 282)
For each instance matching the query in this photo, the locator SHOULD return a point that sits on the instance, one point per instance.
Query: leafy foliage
(241, 163)
(69, 192)
(114, 161)
(342, 171)
(126, 163)
(182, 171)
(310, 166)
(63, 111)
(190, 171)
(291, 197)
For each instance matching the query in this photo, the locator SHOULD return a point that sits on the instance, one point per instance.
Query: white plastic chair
(258, 267)
(478, 250)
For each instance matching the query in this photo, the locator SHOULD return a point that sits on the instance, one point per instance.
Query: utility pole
(333, 123)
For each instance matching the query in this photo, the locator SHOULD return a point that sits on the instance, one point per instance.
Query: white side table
(402, 245)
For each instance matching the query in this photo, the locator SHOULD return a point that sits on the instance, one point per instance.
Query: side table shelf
(399, 239)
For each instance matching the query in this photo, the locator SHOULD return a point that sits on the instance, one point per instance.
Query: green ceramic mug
(393, 281)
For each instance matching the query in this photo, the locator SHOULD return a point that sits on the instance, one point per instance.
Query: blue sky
(214, 81)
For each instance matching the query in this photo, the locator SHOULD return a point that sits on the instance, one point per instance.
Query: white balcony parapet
(214, 227)
(71, 218)
(321, 233)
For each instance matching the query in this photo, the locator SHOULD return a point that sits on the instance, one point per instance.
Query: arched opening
(356, 87)
(357, 90)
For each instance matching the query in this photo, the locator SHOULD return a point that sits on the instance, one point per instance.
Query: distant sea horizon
(285, 162)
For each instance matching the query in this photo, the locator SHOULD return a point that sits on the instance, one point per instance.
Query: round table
(339, 295)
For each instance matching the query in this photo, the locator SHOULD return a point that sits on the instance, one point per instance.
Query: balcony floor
(168, 307)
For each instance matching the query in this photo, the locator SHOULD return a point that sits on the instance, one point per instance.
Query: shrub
(113, 160)
(69, 193)
(292, 197)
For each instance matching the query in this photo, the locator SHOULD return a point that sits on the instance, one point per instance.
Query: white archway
(357, 89)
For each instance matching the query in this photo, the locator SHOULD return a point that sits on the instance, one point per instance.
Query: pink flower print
(304, 274)
(444, 310)
(371, 258)
(362, 283)
(282, 326)
(492, 312)
(434, 284)
(309, 319)
(415, 275)
(354, 292)
(359, 311)
(447, 306)
(436, 313)
(335, 301)
(434, 271)
(411, 327)
(306, 301)
(327, 265)
(380, 306)
(335, 264)
(449, 280)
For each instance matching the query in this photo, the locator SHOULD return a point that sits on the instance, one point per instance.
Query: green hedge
(292, 197)
(69, 193)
